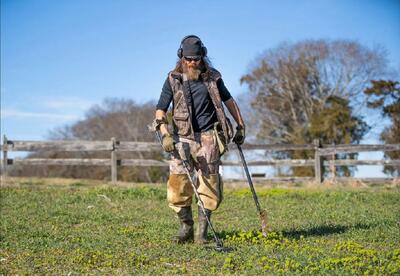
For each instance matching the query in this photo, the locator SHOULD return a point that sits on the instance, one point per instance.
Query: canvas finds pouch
(220, 137)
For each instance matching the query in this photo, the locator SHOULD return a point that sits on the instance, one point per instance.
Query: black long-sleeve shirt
(204, 115)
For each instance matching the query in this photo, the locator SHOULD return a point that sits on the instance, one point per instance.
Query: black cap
(192, 47)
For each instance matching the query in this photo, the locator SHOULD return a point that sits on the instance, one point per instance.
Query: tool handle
(186, 165)
(253, 191)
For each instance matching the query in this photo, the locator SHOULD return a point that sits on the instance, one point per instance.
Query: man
(200, 128)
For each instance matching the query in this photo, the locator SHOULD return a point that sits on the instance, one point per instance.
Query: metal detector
(262, 213)
(219, 245)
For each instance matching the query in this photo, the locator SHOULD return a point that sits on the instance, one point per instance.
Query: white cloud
(18, 114)
(67, 103)
(53, 110)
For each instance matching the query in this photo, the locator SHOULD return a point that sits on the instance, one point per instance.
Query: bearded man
(201, 128)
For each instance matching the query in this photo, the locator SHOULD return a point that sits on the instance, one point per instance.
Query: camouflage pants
(203, 156)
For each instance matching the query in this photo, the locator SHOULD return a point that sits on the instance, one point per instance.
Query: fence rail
(114, 147)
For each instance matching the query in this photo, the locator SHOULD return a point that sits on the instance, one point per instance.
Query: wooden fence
(114, 147)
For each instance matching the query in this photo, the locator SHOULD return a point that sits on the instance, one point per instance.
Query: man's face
(192, 67)
(192, 63)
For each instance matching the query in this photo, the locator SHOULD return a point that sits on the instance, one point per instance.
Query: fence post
(113, 162)
(5, 157)
(333, 168)
(318, 162)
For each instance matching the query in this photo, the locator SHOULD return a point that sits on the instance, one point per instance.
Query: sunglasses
(188, 59)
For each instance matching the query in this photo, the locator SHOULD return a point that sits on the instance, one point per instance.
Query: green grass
(78, 228)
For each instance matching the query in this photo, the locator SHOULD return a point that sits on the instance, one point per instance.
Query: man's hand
(168, 142)
(239, 135)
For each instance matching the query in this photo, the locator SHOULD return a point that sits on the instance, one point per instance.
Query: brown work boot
(185, 233)
(201, 235)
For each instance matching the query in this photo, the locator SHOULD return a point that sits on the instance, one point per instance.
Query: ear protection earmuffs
(203, 48)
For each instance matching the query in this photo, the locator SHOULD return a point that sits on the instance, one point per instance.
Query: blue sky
(58, 58)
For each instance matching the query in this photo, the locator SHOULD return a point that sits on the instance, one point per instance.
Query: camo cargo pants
(203, 156)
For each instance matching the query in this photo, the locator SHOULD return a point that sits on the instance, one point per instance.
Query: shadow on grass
(324, 230)
(321, 230)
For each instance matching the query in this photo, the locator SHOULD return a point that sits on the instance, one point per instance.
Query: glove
(168, 142)
(239, 135)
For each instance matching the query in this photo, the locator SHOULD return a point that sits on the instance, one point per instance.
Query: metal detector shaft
(253, 191)
(219, 243)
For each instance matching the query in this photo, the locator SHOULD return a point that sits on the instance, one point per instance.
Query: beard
(192, 72)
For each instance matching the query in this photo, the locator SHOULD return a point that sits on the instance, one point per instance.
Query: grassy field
(79, 227)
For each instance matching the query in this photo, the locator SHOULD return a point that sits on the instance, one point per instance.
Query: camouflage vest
(182, 111)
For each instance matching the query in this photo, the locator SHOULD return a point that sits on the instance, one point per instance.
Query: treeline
(120, 118)
(296, 92)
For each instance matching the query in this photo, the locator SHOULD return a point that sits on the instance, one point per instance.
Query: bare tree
(292, 82)
(293, 86)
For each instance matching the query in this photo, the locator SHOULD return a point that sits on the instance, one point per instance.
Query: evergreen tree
(385, 95)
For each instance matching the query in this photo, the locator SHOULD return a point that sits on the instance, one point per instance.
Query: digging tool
(219, 245)
(262, 213)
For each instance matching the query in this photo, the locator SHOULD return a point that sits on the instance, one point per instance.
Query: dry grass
(328, 184)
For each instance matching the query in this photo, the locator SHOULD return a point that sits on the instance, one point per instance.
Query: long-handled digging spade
(262, 213)
(219, 245)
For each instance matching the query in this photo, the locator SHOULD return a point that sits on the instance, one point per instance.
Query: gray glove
(239, 135)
